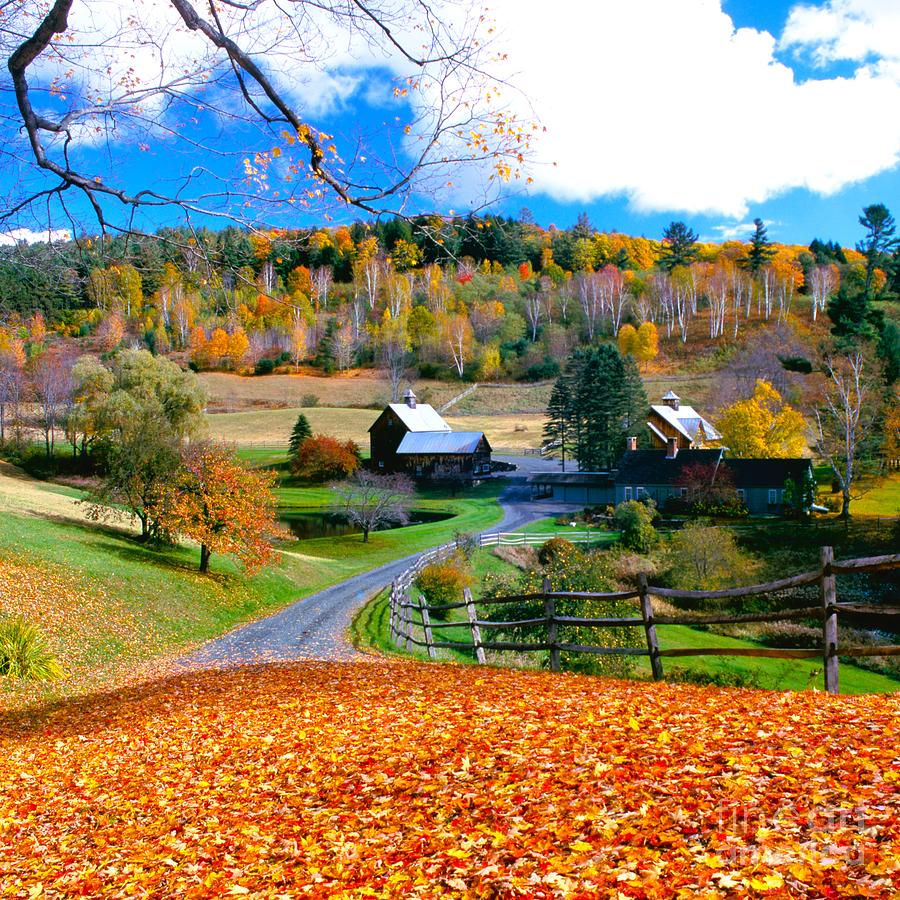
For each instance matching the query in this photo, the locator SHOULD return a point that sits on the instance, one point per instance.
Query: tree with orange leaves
(222, 505)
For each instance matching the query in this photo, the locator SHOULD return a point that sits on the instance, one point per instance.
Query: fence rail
(404, 629)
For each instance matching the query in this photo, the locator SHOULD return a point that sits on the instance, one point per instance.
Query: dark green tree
(299, 434)
(879, 241)
(761, 250)
(560, 427)
(679, 246)
(635, 401)
(600, 408)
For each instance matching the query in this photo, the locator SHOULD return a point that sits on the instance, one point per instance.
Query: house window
(628, 493)
(380, 463)
(741, 494)
(773, 496)
(418, 470)
(684, 492)
(640, 492)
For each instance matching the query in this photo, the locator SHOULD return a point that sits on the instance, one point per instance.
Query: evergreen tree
(679, 246)
(300, 433)
(761, 250)
(601, 408)
(560, 427)
(879, 240)
(636, 405)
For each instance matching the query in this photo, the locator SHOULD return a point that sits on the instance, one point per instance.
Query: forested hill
(475, 297)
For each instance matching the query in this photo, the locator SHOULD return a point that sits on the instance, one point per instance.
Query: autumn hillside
(389, 780)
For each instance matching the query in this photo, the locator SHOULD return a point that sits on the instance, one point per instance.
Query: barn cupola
(410, 399)
(671, 399)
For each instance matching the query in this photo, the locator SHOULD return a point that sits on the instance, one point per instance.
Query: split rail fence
(411, 616)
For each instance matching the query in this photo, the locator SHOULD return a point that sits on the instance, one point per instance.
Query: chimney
(631, 444)
(410, 399)
(671, 448)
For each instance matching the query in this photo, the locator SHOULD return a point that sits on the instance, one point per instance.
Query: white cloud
(668, 104)
(855, 30)
(17, 235)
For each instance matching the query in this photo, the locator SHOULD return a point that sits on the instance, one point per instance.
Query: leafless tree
(322, 278)
(53, 386)
(238, 89)
(845, 420)
(823, 282)
(533, 312)
(371, 501)
(12, 390)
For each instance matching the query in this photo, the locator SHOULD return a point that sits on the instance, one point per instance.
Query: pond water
(316, 523)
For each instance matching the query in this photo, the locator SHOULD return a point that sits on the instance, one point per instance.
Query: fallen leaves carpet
(409, 780)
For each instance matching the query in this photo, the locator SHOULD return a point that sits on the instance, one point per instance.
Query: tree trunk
(365, 534)
(845, 505)
(205, 554)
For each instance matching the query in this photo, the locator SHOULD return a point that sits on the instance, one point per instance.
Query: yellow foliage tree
(628, 340)
(217, 346)
(489, 367)
(647, 346)
(238, 345)
(762, 426)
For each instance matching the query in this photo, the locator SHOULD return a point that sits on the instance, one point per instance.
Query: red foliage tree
(325, 458)
(222, 505)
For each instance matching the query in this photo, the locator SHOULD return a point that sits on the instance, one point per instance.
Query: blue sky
(706, 111)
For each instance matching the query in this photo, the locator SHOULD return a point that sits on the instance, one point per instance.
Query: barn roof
(767, 473)
(591, 479)
(655, 467)
(687, 421)
(440, 442)
(420, 417)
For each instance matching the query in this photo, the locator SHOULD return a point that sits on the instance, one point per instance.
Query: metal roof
(645, 467)
(686, 420)
(440, 442)
(593, 479)
(420, 417)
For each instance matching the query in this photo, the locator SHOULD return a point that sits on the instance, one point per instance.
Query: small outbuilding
(587, 488)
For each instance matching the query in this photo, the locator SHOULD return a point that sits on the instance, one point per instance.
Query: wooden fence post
(426, 626)
(393, 610)
(552, 627)
(399, 617)
(828, 593)
(409, 618)
(476, 631)
(649, 627)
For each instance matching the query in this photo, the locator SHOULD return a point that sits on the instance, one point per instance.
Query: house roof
(766, 473)
(671, 395)
(686, 420)
(440, 442)
(592, 479)
(644, 467)
(420, 417)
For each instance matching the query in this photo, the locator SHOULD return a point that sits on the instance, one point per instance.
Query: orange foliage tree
(324, 458)
(222, 505)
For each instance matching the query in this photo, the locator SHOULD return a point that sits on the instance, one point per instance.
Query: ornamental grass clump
(24, 653)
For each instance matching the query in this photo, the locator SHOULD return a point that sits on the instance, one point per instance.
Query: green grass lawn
(881, 498)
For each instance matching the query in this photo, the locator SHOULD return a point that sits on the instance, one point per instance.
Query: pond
(319, 522)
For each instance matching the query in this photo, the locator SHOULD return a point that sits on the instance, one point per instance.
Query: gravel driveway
(316, 627)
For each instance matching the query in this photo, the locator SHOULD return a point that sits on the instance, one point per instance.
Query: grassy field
(881, 498)
(268, 429)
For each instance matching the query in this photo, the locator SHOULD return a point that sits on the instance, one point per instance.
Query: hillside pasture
(271, 428)
(406, 780)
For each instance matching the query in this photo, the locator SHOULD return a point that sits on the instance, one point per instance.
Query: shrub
(193, 366)
(634, 519)
(264, 367)
(443, 583)
(323, 458)
(308, 401)
(557, 549)
(704, 558)
(24, 653)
